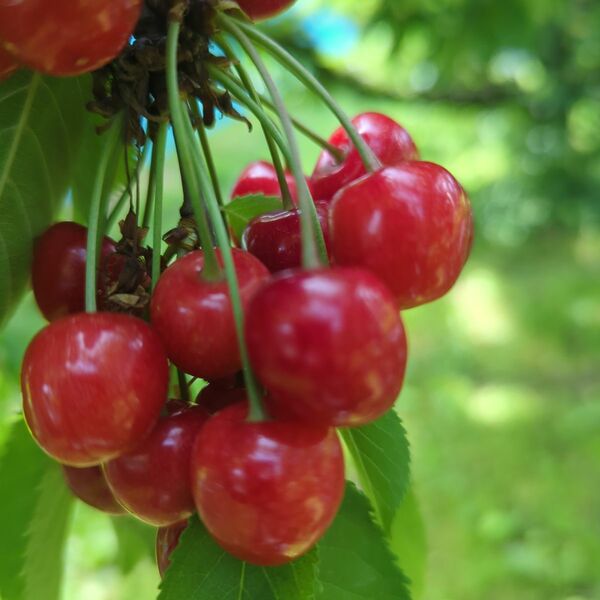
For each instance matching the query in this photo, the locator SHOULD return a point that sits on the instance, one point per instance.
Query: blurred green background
(502, 396)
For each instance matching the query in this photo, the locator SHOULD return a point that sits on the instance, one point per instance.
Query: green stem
(95, 220)
(369, 159)
(148, 206)
(310, 254)
(184, 390)
(158, 159)
(211, 270)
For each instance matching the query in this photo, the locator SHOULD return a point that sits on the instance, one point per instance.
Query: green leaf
(46, 538)
(40, 127)
(202, 570)
(136, 541)
(21, 468)
(381, 455)
(241, 211)
(355, 562)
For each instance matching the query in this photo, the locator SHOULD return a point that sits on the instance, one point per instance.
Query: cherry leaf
(242, 210)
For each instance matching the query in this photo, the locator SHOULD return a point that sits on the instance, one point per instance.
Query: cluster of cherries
(327, 345)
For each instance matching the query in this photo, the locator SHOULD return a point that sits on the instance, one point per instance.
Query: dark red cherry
(167, 539)
(264, 9)
(194, 317)
(93, 386)
(328, 345)
(8, 64)
(89, 485)
(62, 37)
(152, 480)
(411, 225)
(58, 269)
(275, 238)
(266, 491)
(390, 142)
(220, 394)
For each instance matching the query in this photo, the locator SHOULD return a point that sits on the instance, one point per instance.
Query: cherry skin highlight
(167, 539)
(194, 317)
(65, 38)
(8, 64)
(275, 238)
(264, 9)
(328, 345)
(152, 480)
(411, 225)
(266, 491)
(89, 485)
(390, 142)
(58, 269)
(93, 386)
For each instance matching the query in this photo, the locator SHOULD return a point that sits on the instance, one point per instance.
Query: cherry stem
(370, 160)
(246, 81)
(97, 207)
(158, 161)
(257, 411)
(150, 192)
(310, 253)
(211, 270)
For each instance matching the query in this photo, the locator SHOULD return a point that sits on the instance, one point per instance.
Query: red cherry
(152, 480)
(328, 345)
(89, 485)
(220, 394)
(93, 385)
(58, 269)
(275, 238)
(8, 64)
(167, 539)
(63, 37)
(194, 317)
(266, 491)
(264, 9)
(411, 225)
(390, 142)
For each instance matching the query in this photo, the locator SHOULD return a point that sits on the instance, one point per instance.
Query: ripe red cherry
(220, 394)
(152, 480)
(275, 238)
(7, 64)
(411, 225)
(390, 142)
(328, 345)
(93, 386)
(194, 317)
(63, 37)
(89, 485)
(266, 491)
(264, 9)
(167, 539)
(58, 269)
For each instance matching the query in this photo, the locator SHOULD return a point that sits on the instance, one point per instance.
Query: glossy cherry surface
(263, 9)
(266, 491)
(275, 238)
(328, 345)
(93, 386)
(152, 480)
(58, 269)
(8, 64)
(62, 37)
(390, 142)
(411, 225)
(89, 485)
(194, 317)
(167, 539)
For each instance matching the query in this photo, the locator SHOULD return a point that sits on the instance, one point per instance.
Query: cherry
(275, 238)
(328, 345)
(260, 177)
(194, 317)
(411, 225)
(7, 64)
(390, 142)
(266, 491)
(167, 539)
(221, 393)
(264, 9)
(58, 269)
(63, 37)
(89, 485)
(152, 480)
(93, 386)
